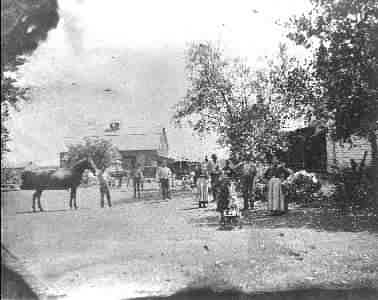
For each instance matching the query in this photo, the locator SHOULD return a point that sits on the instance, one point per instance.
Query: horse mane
(79, 163)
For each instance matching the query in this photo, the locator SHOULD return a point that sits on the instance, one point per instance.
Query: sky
(125, 60)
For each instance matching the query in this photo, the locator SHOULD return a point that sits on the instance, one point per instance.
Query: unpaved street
(148, 247)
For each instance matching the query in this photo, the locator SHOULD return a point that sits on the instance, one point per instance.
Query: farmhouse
(135, 146)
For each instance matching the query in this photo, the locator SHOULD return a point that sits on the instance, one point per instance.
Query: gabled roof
(142, 141)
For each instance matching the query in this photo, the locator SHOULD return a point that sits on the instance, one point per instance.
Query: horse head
(85, 164)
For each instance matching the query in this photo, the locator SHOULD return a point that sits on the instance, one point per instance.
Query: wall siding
(340, 154)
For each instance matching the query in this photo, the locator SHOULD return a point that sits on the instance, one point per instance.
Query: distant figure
(103, 179)
(197, 173)
(137, 179)
(163, 175)
(202, 184)
(214, 171)
(127, 175)
(248, 174)
(275, 175)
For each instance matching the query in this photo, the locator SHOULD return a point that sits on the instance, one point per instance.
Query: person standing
(275, 175)
(248, 173)
(137, 179)
(202, 184)
(163, 175)
(214, 170)
(103, 180)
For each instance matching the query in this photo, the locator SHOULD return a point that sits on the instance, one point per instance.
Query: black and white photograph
(179, 150)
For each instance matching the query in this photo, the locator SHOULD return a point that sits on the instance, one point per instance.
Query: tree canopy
(244, 107)
(100, 150)
(344, 37)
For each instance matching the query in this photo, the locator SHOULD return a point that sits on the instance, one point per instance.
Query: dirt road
(153, 247)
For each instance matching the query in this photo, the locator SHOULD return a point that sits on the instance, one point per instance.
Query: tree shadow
(321, 219)
(209, 293)
(26, 212)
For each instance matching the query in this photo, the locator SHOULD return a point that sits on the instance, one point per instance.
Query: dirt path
(151, 247)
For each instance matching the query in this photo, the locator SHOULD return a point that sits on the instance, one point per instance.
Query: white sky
(135, 48)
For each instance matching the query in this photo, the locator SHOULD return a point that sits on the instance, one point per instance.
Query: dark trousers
(120, 181)
(247, 190)
(136, 183)
(104, 192)
(164, 183)
(214, 186)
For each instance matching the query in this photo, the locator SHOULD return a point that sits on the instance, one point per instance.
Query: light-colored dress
(203, 189)
(276, 197)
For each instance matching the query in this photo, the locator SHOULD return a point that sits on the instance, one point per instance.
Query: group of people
(216, 182)
(163, 175)
(221, 183)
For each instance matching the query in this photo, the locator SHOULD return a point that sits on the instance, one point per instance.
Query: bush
(354, 188)
(302, 187)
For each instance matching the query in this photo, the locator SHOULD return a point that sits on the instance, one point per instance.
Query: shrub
(302, 187)
(354, 187)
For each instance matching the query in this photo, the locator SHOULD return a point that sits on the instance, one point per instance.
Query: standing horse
(62, 178)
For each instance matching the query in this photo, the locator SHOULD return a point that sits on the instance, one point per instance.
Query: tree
(100, 150)
(24, 24)
(227, 97)
(344, 37)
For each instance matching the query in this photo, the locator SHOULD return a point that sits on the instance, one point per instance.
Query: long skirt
(276, 197)
(203, 190)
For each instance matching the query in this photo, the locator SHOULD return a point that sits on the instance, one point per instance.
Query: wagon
(231, 217)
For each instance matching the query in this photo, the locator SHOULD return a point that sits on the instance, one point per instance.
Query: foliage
(24, 24)
(100, 150)
(344, 36)
(353, 187)
(301, 187)
(10, 95)
(243, 107)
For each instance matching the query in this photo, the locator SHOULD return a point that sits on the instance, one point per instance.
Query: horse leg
(74, 197)
(71, 197)
(39, 200)
(34, 198)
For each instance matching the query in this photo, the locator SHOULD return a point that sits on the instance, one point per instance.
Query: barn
(145, 147)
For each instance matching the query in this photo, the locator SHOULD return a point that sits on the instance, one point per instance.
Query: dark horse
(62, 178)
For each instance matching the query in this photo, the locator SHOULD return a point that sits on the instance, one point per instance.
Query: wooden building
(143, 147)
(312, 148)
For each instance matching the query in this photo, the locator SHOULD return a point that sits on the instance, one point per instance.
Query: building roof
(127, 138)
(143, 141)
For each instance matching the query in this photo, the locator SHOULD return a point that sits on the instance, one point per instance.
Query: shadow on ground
(13, 286)
(301, 294)
(314, 218)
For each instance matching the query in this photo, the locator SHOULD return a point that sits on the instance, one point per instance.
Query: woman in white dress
(276, 198)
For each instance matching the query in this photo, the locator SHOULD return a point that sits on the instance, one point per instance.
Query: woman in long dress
(276, 198)
(203, 188)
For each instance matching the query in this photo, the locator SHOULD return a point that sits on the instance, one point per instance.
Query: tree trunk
(374, 162)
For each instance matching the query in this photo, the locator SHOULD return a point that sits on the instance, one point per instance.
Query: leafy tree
(244, 107)
(24, 24)
(100, 150)
(344, 36)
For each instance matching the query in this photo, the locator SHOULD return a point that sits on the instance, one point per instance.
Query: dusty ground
(152, 247)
